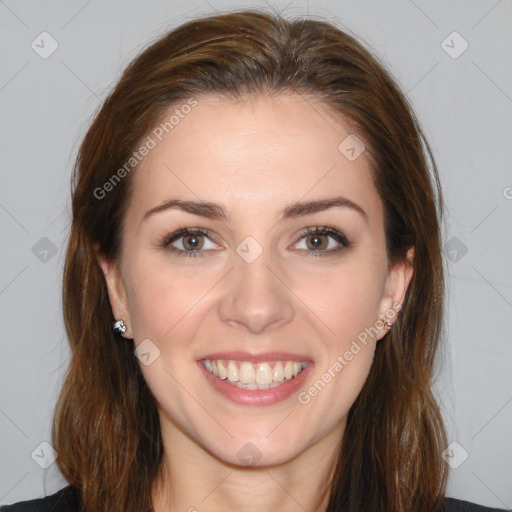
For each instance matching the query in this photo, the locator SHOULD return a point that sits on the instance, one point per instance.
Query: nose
(256, 297)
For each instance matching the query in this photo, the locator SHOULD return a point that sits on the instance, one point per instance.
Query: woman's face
(253, 297)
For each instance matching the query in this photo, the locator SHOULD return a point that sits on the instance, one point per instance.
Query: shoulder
(65, 500)
(455, 505)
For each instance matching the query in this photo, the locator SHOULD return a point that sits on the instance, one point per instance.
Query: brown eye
(193, 242)
(318, 241)
(188, 242)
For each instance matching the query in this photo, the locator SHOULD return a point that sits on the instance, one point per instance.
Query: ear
(116, 292)
(397, 282)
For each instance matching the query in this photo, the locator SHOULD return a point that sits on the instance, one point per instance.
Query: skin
(255, 157)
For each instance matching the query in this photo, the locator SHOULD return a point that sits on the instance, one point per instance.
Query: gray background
(463, 103)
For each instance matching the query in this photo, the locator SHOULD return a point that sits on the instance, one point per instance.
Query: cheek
(160, 300)
(346, 300)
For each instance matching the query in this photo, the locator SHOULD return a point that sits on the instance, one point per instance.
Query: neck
(194, 480)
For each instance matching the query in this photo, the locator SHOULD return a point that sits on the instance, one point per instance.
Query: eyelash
(167, 240)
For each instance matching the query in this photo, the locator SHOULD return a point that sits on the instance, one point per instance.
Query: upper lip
(256, 358)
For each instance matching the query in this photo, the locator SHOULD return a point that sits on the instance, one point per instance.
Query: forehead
(259, 154)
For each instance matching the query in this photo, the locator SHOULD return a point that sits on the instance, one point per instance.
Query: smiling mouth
(247, 375)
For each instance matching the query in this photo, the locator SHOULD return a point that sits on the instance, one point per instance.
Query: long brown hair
(106, 428)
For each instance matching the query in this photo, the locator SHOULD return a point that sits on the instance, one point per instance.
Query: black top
(65, 500)
(68, 500)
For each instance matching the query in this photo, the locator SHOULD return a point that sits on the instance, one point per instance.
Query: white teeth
(278, 373)
(246, 375)
(233, 375)
(288, 370)
(223, 373)
(263, 374)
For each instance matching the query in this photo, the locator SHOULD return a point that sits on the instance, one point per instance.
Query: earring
(119, 327)
(387, 324)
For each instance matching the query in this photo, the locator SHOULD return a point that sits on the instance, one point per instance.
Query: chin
(250, 455)
(268, 448)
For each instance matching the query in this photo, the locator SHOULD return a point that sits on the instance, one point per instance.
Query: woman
(253, 289)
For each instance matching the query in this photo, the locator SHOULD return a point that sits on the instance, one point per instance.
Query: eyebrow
(216, 211)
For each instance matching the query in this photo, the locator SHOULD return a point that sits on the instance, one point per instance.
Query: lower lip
(257, 396)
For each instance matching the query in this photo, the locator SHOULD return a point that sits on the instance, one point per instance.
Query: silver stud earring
(119, 327)
(387, 324)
